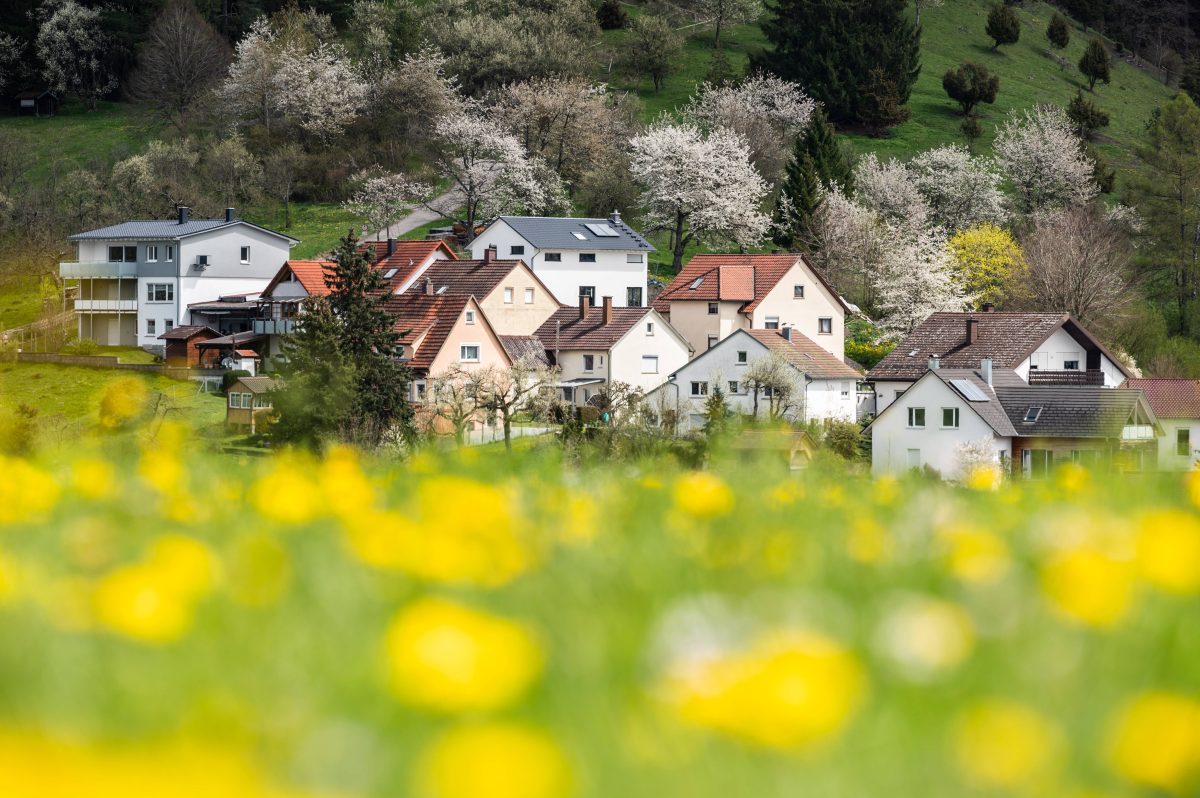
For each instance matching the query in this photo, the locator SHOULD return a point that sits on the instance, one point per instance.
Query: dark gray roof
(557, 232)
(524, 347)
(990, 411)
(169, 229)
(1073, 411)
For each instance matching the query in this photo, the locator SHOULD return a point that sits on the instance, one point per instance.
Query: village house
(715, 295)
(824, 386)
(181, 345)
(1176, 403)
(597, 347)
(574, 257)
(248, 403)
(137, 280)
(1040, 348)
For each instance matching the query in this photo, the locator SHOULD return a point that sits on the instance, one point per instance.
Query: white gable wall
(626, 363)
(1052, 354)
(804, 314)
(1168, 457)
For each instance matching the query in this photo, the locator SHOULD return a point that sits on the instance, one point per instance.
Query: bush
(844, 438)
(1058, 32)
(970, 85)
(81, 346)
(1003, 26)
(230, 377)
(611, 15)
(1086, 116)
(1094, 64)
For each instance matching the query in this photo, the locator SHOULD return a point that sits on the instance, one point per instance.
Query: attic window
(1032, 414)
(914, 353)
(390, 273)
(580, 236)
(442, 289)
(696, 283)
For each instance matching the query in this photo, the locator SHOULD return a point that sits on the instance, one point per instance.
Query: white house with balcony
(136, 279)
(574, 257)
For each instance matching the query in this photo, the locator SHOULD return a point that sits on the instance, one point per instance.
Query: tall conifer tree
(818, 162)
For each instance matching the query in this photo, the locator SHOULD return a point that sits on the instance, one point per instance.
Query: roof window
(579, 235)
(390, 273)
(1032, 414)
(696, 283)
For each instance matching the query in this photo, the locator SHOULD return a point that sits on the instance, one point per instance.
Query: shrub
(230, 377)
(81, 346)
(1086, 116)
(1058, 32)
(969, 85)
(1094, 64)
(611, 15)
(1003, 26)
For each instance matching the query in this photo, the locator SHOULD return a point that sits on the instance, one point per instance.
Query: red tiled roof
(407, 257)
(805, 355)
(310, 274)
(736, 282)
(566, 330)
(245, 353)
(415, 313)
(1169, 398)
(737, 277)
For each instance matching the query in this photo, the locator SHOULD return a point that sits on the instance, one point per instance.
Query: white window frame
(168, 325)
(462, 353)
(798, 291)
(508, 296)
(713, 340)
(649, 364)
(699, 388)
(244, 255)
(151, 327)
(734, 386)
(635, 257)
(822, 323)
(589, 363)
(649, 328)
(152, 253)
(235, 400)
(516, 249)
(771, 323)
(470, 317)
(912, 417)
(170, 252)
(1071, 365)
(714, 308)
(587, 257)
(168, 293)
(529, 296)
(552, 257)
(743, 357)
(956, 421)
(1186, 434)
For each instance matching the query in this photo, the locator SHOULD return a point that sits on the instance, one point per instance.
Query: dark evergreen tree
(1094, 63)
(719, 69)
(611, 15)
(1058, 32)
(832, 48)
(1003, 25)
(1086, 116)
(971, 130)
(883, 107)
(1104, 175)
(818, 161)
(716, 411)
(970, 85)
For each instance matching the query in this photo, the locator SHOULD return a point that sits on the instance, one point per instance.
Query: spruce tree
(833, 48)
(818, 162)
(1086, 116)
(1003, 25)
(1094, 63)
(1059, 31)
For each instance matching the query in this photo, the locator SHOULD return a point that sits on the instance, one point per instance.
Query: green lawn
(78, 138)
(127, 354)
(20, 302)
(318, 225)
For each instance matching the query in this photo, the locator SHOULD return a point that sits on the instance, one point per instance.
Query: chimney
(985, 366)
(786, 332)
(607, 310)
(615, 217)
(428, 287)
(228, 215)
(935, 362)
(972, 331)
(183, 214)
(490, 253)
(584, 303)
(988, 307)
(391, 247)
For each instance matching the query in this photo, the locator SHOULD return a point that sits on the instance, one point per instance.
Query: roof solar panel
(969, 390)
(602, 230)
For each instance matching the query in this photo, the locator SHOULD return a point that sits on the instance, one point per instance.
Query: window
(949, 418)
(649, 328)
(202, 261)
(235, 400)
(634, 257)
(516, 250)
(633, 296)
(699, 389)
(1071, 365)
(733, 386)
(150, 327)
(825, 326)
(589, 362)
(170, 253)
(1036, 462)
(743, 357)
(245, 254)
(916, 418)
(261, 401)
(590, 292)
(772, 323)
(712, 308)
(151, 253)
(390, 273)
(528, 296)
(419, 390)
(649, 364)
(508, 296)
(160, 292)
(168, 325)
(247, 400)
(798, 291)
(1183, 442)
(469, 353)
(470, 317)
(552, 257)
(845, 394)
(587, 257)
(712, 341)
(122, 254)
(1032, 415)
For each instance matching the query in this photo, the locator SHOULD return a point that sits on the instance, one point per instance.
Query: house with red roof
(715, 295)
(1176, 403)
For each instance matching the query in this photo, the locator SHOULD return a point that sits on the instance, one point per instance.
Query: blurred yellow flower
(184, 563)
(1193, 485)
(789, 690)
(1072, 478)
(450, 658)
(703, 495)
(1089, 585)
(343, 483)
(26, 492)
(123, 399)
(494, 760)
(580, 519)
(886, 490)
(974, 555)
(9, 576)
(286, 493)
(1168, 550)
(985, 477)
(260, 570)
(999, 743)
(867, 541)
(1154, 740)
(136, 601)
(163, 469)
(925, 636)
(93, 478)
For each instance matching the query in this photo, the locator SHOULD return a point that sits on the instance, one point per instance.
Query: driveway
(447, 203)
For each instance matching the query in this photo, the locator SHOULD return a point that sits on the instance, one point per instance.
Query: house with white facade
(1176, 403)
(137, 280)
(715, 295)
(1040, 348)
(825, 386)
(596, 347)
(574, 257)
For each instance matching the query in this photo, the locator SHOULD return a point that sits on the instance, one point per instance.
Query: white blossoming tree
(249, 92)
(381, 198)
(916, 280)
(74, 51)
(888, 190)
(698, 186)
(319, 90)
(1040, 154)
(848, 243)
(960, 190)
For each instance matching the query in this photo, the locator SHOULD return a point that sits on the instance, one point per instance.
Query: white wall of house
(896, 447)
(630, 357)
(1179, 434)
(695, 323)
(804, 313)
(835, 400)
(886, 391)
(1059, 350)
(612, 273)
(223, 247)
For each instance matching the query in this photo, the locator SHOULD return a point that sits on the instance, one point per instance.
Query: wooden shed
(248, 405)
(35, 102)
(182, 345)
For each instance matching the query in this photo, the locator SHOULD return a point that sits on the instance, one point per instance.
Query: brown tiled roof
(566, 330)
(414, 313)
(1169, 398)
(805, 355)
(524, 347)
(1073, 411)
(476, 278)
(187, 332)
(747, 278)
(1007, 338)
(405, 251)
(260, 384)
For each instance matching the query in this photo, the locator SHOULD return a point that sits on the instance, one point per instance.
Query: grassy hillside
(77, 138)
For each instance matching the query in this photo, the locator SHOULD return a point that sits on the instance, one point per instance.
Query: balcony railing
(1071, 377)
(106, 305)
(274, 326)
(76, 271)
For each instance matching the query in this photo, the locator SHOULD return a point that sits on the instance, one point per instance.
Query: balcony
(100, 271)
(106, 306)
(274, 326)
(1072, 377)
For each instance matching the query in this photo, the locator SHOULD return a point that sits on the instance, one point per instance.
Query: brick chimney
(183, 214)
(607, 310)
(786, 332)
(428, 287)
(490, 254)
(988, 307)
(229, 217)
(972, 331)
(585, 302)
(391, 247)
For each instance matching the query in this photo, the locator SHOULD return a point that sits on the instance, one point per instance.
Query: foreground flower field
(465, 627)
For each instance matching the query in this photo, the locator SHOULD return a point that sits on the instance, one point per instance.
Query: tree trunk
(680, 243)
(507, 430)
(717, 37)
(287, 211)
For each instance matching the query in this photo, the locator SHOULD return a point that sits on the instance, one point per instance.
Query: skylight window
(914, 353)
(970, 391)
(580, 236)
(442, 289)
(1032, 414)
(696, 283)
(602, 230)
(390, 273)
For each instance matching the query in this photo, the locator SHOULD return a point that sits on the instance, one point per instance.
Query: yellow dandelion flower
(1168, 550)
(1154, 740)
(494, 760)
(789, 690)
(124, 399)
(784, 495)
(343, 483)
(999, 743)
(184, 563)
(1089, 586)
(985, 477)
(286, 493)
(164, 470)
(867, 541)
(93, 478)
(976, 556)
(1193, 486)
(580, 519)
(137, 602)
(27, 492)
(1072, 478)
(703, 495)
(450, 658)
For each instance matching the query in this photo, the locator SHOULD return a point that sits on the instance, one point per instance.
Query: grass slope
(77, 138)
